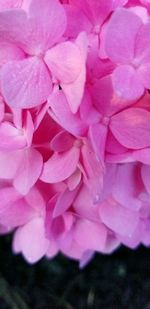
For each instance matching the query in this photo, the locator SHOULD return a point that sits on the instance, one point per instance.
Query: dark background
(118, 281)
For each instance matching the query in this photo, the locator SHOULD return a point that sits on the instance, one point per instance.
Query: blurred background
(119, 281)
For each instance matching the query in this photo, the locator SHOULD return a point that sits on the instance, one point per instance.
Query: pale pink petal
(121, 34)
(60, 166)
(118, 218)
(11, 138)
(131, 128)
(84, 206)
(30, 240)
(8, 196)
(74, 91)
(9, 163)
(7, 4)
(25, 83)
(74, 180)
(47, 22)
(29, 170)
(61, 113)
(64, 71)
(122, 78)
(90, 235)
(23, 213)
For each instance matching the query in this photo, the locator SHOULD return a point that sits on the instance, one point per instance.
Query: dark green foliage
(119, 281)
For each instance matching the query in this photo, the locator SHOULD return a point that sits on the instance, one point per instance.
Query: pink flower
(129, 49)
(74, 126)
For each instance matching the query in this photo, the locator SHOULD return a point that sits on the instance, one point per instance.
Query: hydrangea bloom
(74, 126)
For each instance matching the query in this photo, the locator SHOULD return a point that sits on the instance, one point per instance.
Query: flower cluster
(74, 126)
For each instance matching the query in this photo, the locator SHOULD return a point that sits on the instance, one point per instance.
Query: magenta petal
(118, 218)
(142, 45)
(142, 155)
(144, 75)
(121, 34)
(145, 172)
(131, 128)
(122, 78)
(31, 241)
(60, 166)
(62, 141)
(29, 170)
(25, 83)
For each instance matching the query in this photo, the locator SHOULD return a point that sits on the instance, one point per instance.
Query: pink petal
(142, 155)
(142, 45)
(60, 166)
(61, 113)
(95, 10)
(84, 206)
(74, 91)
(145, 172)
(31, 241)
(77, 21)
(98, 135)
(25, 83)
(123, 77)
(63, 141)
(65, 71)
(47, 22)
(90, 235)
(23, 213)
(10, 52)
(131, 128)
(121, 34)
(29, 170)
(8, 196)
(127, 190)
(9, 163)
(7, 4)
(94, 172)
(74, 180)
(11, 138)
(118, 218)
(144, 75)
(64, 201)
